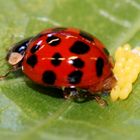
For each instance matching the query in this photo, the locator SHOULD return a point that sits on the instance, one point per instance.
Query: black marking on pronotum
(19, 47)
(53, 40)
(78, 63)
(32, 60)
(35, 48)
(49, 77)
(99, 66)
(56, 59)
(79, 47)
(75, 77)
(106, 51)
(86, 35)
(58, 29)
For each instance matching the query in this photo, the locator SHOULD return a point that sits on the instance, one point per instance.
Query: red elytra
(68, 57)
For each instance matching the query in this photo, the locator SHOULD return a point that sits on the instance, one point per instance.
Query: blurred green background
(26, 112)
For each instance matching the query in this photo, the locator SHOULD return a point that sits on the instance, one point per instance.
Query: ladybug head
(16, 53)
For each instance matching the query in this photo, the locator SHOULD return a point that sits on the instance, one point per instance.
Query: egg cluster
(126, 70)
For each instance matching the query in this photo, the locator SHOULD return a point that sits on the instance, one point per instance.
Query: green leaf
(27, 111)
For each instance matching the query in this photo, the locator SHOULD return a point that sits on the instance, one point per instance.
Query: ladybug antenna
(5, 75)
(14, 68)
(13, 60)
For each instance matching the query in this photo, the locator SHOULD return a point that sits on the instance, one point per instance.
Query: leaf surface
(27, 111)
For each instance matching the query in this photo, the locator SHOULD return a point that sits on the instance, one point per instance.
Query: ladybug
(65, 57)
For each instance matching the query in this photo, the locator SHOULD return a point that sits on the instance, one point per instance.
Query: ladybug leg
(97, 97)
(100, 100)
(69, 93)
(66, 92)
(79, 95)
(74, 94)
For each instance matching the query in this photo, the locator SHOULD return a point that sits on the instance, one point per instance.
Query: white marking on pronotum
(15, 58)
(45, 19)
(114, 19)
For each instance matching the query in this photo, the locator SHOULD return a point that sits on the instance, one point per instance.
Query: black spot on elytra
(78, 63)
(32, 60)
(79, 47)
(56, 59)
(99, 66)
(86, 35)
(49, 77)
(106, 51)
(35, 48)
(75, 77)
(58, 29)
(53, 40)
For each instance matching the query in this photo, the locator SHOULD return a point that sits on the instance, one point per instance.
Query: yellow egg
(118, 53)
(127, 47)
(115, 93)
(126, 71)
(125, 91)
